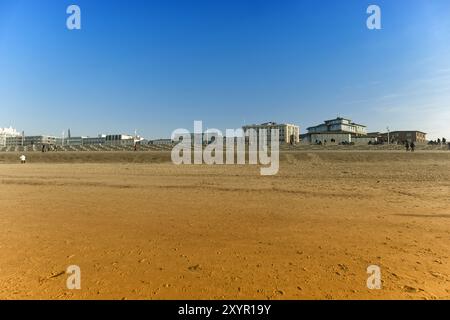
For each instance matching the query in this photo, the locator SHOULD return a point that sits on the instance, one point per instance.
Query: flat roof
(338, 118)
(397, 131)
(357, 124)
(330, 133)
(270, 124)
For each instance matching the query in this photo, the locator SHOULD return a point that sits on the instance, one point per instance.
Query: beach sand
(140, 227)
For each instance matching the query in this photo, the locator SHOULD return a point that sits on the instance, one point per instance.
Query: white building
(289, 133)
(8, 133)
(39, 140)
(101, 139)
(80, 141)
(339, 125)
(31, 140)
(122, 139)
(73, 141)
(339, 130)
(14, 141)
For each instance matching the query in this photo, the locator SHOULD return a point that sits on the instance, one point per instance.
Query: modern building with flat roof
(101, 139)
(122, 139)
(405, 136)
(13, 141)
(80, 141)
(73, 141)
(161, 142)
(329, 138)
(289, 133)
(6, 133)
(119, 139)
(39, 140)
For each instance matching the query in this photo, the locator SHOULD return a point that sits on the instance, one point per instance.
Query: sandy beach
(140, 227)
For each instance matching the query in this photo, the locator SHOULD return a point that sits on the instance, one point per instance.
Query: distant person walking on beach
(413, 146)
(23, 159)
(407, 146)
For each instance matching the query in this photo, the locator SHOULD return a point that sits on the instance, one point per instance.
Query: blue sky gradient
(158, 65)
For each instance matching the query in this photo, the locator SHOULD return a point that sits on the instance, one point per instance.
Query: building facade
(338, 131)
(288, 133)
(39, 140)
(161, 142)
(73, 141)
(6, 133)
(401, 137)
(14, 141)
(330, 138)
(101, 139)
(31, 140)
(339, 125)
(122, 139)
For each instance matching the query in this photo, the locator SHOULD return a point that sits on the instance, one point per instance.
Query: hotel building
(7, 133)
(289, 133)
(337, 130)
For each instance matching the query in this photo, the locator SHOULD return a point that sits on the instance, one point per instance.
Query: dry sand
(142, 228)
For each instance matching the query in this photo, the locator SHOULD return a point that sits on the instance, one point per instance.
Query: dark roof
(270, 123)
(356, 124)
(405, 131)
(319, 125)
(338, 118)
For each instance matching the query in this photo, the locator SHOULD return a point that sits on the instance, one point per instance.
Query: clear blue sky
(158, 65)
